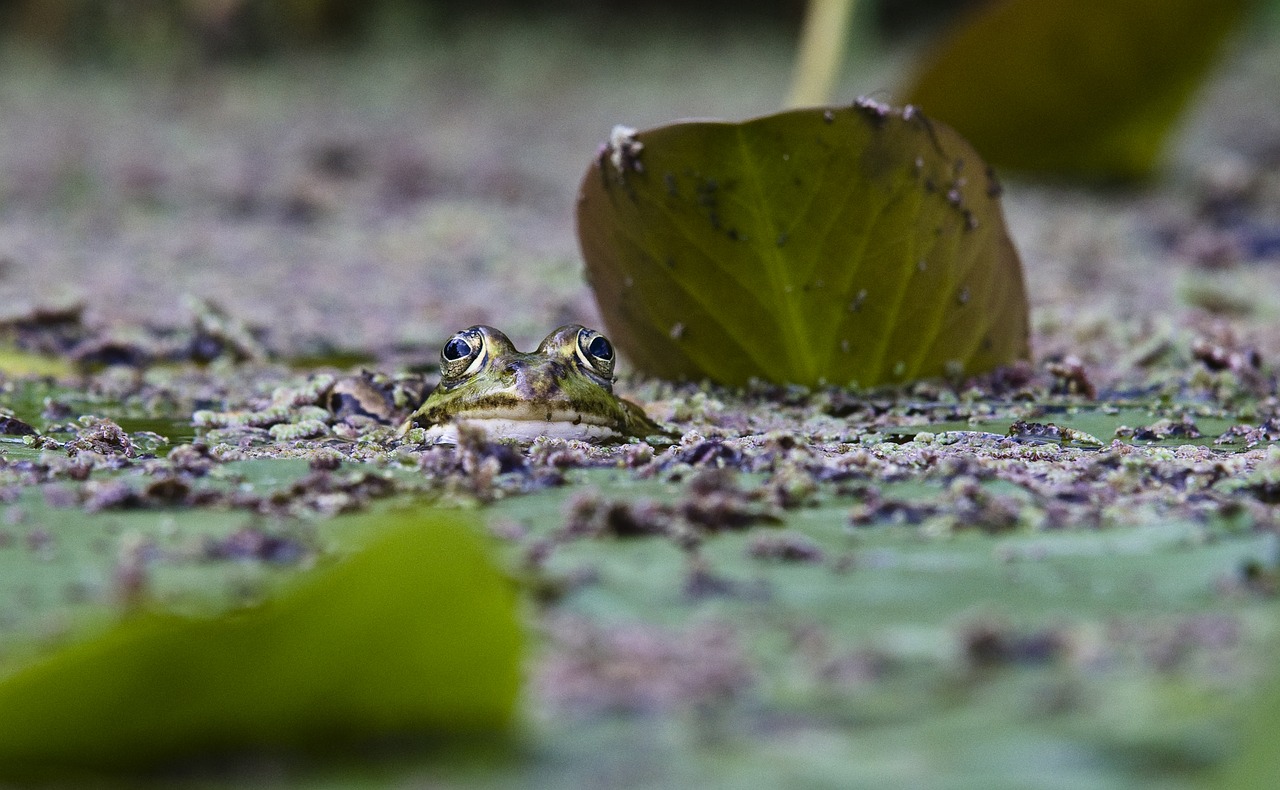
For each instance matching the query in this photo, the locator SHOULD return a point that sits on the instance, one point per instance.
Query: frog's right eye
(455, 350)
(596, 352)
(461, 355)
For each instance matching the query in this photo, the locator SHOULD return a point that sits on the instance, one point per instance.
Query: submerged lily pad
(416, 633)
(859, 244)
(1076, 87)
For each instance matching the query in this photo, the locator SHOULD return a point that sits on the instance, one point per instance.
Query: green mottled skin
(550, 384)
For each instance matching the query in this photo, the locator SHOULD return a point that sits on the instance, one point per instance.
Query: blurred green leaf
(416, 633)
(1076, 87)
(855, 244)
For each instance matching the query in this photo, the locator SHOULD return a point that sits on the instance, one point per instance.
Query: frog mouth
(524, 423)
(532, 414)
(524, 429)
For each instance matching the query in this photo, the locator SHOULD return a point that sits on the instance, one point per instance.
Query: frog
(563, 389)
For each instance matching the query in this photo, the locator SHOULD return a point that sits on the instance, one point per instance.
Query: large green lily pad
(416, 633)
(858, 244)
(1075, 87)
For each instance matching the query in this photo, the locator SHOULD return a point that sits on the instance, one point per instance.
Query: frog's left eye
(461, 355)
(596, 352)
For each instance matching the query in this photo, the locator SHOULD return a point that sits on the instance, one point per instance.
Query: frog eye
(596, 352)
(600, 347)
(462, 354)
(455, 350)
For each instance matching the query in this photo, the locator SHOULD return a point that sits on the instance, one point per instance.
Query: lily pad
(857, 244)
(416, 633)
(1075, 87)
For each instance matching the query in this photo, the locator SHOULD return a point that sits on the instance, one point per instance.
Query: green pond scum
(879, 569)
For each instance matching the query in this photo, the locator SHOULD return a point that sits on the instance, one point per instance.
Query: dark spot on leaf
(994, 187)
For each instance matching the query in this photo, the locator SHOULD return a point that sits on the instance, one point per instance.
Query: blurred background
(375, 175)
(210, 30)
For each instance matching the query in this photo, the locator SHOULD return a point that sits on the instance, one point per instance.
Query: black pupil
(600, 348)
(456, 349)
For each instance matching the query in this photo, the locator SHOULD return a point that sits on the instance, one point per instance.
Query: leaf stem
(822, 41)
